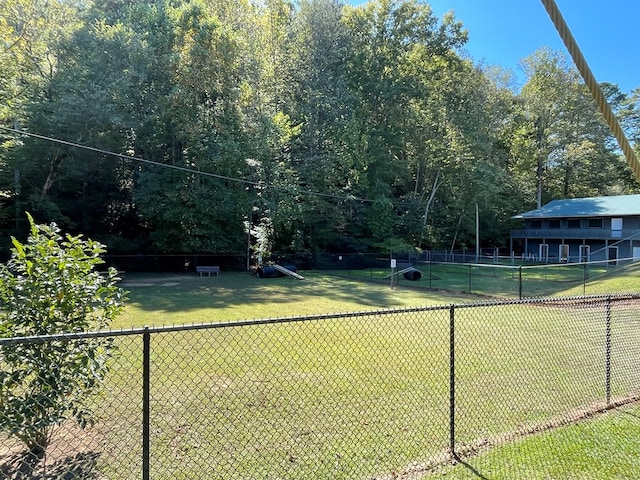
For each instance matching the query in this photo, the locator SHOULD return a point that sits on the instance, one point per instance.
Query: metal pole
(452, 383)
(477, 235)
(520, 282)
(393, 268)
(146, 401)
(249, 242)
(608, 352)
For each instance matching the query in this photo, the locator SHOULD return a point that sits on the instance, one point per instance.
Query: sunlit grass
(187, 299)
(508, 281)
(350, 397)
(620, 279)
(599, 448)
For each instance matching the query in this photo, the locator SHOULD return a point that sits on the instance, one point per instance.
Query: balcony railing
(577, 233)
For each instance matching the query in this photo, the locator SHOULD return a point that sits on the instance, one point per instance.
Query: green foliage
(335, 127)
(562, 141)
(31, 33)
(50, 286)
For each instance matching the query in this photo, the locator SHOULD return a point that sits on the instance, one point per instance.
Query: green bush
(50, 286)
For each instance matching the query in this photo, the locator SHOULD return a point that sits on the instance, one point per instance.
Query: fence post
(608, 351)
(469, 278)
(146, 398)
(520, 282)
(452, 383)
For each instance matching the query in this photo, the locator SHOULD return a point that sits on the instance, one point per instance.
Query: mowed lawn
(356, 397)
(509, 281)
(603, 447)
(187, 298)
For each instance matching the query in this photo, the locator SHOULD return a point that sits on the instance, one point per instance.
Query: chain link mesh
(389, 394)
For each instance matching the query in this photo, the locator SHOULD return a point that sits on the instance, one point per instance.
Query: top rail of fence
(517, 266)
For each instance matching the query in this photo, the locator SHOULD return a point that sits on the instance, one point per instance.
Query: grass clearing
(601, 447)
(356, 397)
(340, 398)
(508, 281)
(187, 299)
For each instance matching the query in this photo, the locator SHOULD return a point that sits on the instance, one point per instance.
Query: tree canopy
(304, 127)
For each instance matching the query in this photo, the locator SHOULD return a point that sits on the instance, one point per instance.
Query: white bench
(208, 269)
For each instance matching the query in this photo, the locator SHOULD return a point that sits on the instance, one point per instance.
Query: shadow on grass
(473, 470)
(630, 414)
(26, 465)
(188, 292)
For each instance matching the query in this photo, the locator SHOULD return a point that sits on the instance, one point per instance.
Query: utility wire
(185, 169)
(592, 84)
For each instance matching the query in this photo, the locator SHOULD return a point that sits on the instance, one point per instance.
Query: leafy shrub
(51, 286)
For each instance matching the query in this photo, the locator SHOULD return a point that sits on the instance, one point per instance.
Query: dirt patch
(631, 303)
(144, 281)
(72, 454)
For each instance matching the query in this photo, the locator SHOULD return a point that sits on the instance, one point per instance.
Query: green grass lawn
(186, 299)
(358, 397)
(509, 281)
(604, 447)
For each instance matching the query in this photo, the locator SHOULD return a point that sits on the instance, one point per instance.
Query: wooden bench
(208, 269)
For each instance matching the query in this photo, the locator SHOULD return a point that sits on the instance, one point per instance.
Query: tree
(400, 52)
(563, 138)
(321, 107)
(627, 109)
(31, 33)
(193, 122)
(51, 286)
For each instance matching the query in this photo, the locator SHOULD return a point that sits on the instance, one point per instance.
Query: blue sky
(502, 32)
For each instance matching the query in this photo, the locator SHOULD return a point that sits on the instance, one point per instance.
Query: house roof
(614, 206)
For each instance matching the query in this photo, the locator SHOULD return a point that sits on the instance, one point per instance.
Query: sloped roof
(614, 206)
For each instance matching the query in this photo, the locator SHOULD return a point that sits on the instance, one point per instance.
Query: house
(582, 229)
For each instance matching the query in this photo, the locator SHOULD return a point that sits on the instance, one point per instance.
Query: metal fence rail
(360, 395)
(527, 279)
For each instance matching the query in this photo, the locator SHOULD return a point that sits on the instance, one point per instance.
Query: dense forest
(307, 126)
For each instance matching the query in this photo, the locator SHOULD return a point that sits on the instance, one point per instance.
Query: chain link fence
(457, 271)
(494, 275)
(370, 395)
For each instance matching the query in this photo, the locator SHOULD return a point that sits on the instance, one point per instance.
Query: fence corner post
(607, 367)
(146, 405)
(452, 383)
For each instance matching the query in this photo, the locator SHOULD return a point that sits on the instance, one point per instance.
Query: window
(536, 224)
(554, 223)
(616, 227)
(595, 223)
(574, 223)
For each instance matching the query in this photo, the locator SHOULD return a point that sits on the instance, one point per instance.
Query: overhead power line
(127, 157)
(186, 169)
